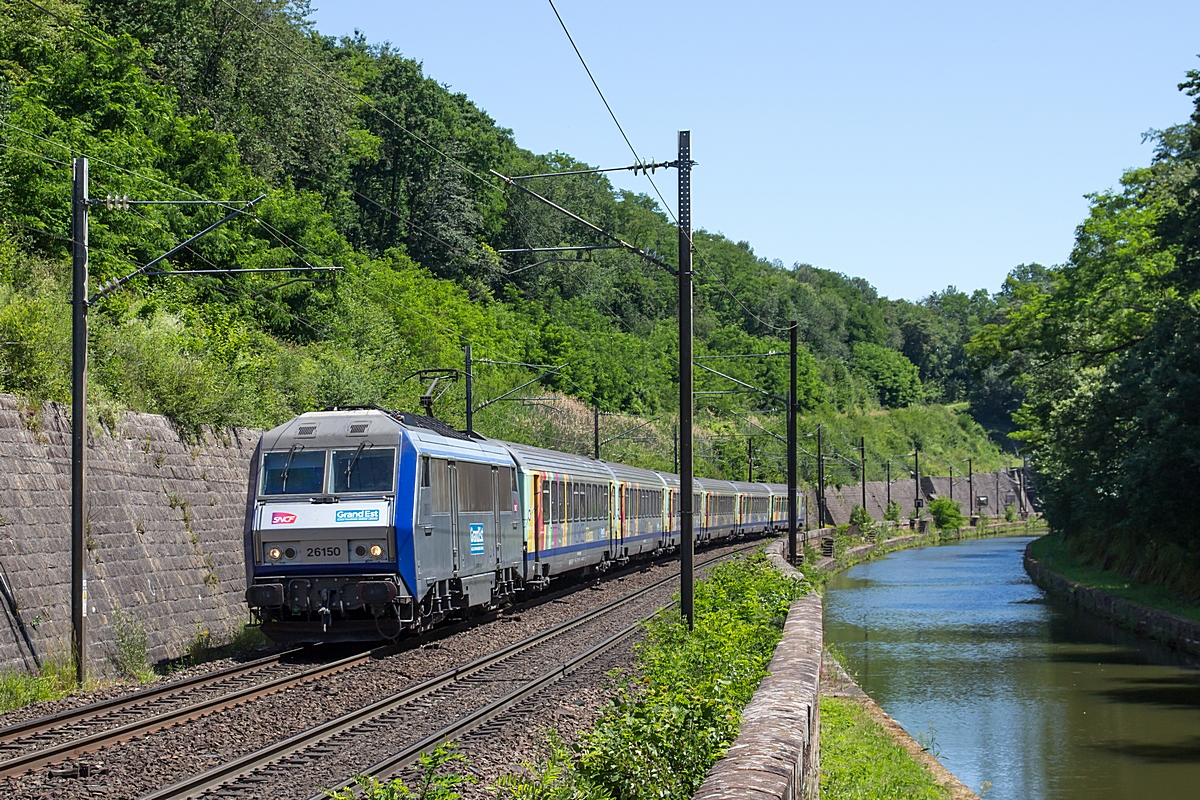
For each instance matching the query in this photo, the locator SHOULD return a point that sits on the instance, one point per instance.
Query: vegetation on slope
(1106, 349)
(370, 166)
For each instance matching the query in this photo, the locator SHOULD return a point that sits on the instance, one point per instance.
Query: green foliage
(946, 513)
(892, 512)
(1107, 349)
(128, 653)
(894, 377)
(859, 761)
(436, 781)
(660, 735)
(56, 679)
(862, 518)
(1010, 512)
(182, 99)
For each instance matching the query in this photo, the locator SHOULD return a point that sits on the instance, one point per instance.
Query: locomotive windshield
(364, 469)
(295, 471)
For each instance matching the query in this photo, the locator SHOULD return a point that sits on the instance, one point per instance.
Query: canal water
(1014, 688)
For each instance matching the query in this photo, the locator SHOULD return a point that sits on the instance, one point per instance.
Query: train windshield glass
(295, 471)
(364, 469)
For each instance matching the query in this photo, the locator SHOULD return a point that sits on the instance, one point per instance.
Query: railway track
(52, 739)
(468, 696)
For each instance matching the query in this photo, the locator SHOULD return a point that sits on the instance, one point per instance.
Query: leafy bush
(894, 377)
(1010, 512)
(56, 679)
(892, 512)
(435, 780)
(128, 653)
(946, 513)
(658, 738)
(862, 518)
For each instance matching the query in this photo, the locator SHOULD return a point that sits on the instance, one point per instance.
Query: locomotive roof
(347, 426)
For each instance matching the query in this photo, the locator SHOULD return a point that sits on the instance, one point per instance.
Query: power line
(632, 149)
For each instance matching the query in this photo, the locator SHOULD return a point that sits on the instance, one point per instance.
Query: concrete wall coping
(776, 753)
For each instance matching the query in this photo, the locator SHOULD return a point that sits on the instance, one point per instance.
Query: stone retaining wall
(1176, 631)
(164, 531)
(777, 751)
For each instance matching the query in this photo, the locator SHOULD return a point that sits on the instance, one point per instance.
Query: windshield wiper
(288, 466)
(353, 461)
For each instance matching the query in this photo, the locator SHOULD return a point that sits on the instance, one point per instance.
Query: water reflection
(955, 641)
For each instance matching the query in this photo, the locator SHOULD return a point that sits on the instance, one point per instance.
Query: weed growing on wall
(659, 736)
(128, 653)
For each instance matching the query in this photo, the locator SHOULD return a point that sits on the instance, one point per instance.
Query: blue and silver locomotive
(363, 523)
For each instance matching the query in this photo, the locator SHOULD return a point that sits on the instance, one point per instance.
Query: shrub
(128, 654)
(862, 518)
(658, 738)
(892, 512)
(946, 513)
(1010, 512)
(435, 781)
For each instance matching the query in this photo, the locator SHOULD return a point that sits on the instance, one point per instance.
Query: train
(363, 524)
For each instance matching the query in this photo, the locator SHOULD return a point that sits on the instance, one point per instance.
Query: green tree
(894, 377)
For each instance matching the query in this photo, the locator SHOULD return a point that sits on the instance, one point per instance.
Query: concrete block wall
(998, 486)
(164, 530)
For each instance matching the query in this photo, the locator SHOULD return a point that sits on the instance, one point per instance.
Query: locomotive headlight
(376, 551)
(274, 554)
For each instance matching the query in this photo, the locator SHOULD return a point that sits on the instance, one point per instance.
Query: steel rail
(412, 753)
(19, 765)
(70, 716)
(229, 772)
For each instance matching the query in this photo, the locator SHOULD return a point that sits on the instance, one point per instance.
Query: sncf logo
(282, 518)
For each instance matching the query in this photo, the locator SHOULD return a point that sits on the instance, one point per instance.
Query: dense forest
(1106, 352)
(370, 166)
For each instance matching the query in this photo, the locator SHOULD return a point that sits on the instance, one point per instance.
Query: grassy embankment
(673, 718)
(861, 761)
(1057, 556)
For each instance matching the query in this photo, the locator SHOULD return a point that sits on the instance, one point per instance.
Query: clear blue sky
(917, 144)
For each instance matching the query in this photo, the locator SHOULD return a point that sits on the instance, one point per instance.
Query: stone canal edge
(777, 751)
(1172, 629)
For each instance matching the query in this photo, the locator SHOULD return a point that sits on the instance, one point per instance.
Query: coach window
(546, 502)
(439, 481)
(556, 502)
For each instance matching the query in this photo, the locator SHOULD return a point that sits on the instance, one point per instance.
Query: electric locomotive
(363, 523)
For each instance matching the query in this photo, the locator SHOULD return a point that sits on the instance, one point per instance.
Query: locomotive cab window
(363, 469)
(294, 471)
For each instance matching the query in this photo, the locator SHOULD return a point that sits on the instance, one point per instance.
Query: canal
(1013, 688)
